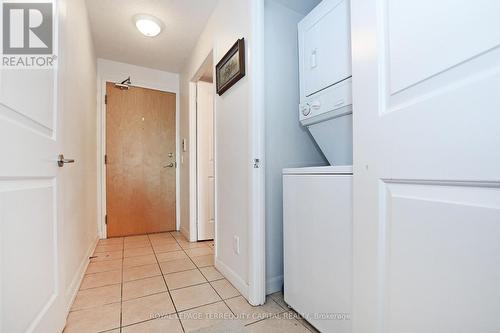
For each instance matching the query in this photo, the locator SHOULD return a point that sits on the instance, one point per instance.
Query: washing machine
(317, 238)
(317, 201)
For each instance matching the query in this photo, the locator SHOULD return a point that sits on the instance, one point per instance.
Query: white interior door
(427, 166)
(31, 286)
(205, 161)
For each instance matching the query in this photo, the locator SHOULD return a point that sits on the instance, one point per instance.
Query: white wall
(288, 144)
(140, 76)
(230, 21)
(79, 133)
(112, 71)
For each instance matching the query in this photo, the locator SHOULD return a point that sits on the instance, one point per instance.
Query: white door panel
(427, 166)
(31, 288)
(30, 271)
(38, 107)
(441, 261)
(211, 200)
(205, 161)
(453, 33)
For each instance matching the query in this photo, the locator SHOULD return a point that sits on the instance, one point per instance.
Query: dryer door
(324, 46)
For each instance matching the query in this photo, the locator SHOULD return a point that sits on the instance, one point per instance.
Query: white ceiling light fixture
(148, 25)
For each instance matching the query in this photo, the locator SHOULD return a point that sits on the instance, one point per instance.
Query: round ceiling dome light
(148, 25)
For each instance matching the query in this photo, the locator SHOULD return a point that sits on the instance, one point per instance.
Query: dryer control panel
(330, 103)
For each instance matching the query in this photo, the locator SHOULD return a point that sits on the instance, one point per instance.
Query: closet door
(426, 78)
(32, 257)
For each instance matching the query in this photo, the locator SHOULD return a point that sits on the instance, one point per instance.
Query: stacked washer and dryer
(317, 223)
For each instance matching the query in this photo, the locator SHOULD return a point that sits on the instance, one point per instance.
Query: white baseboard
(232, 277)
(78, 277)
(274, 284)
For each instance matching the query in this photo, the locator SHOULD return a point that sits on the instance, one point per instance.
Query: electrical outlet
(236, 245)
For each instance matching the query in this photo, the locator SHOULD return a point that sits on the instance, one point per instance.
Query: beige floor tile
(111, 241)
(163, 241)
(277, 324)
(306, 324)
(143, 287)
(101, 279)
(168, 324)
(135, 245)
(169, 256)
(89, 298)
(278, 298)
(211, 273)
(146, 308)
(167, 248)
(140, 272)
(205, 316)
(199, 251)
(103, 318)
(160, 234)
(104, 266)
(139, 261)
(180, 239)
(108, 248)
(132, 239)
(176, 266)
(225, 289)
(105, 256)
(204, 261)
(187, 245)
(164, 235)
(250, 314)
(137, 252)
(194, 296)
(184, 279)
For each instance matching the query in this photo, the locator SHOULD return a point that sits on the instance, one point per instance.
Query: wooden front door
(140, 154)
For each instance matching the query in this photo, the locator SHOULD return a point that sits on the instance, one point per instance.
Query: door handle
(61, 160)
(170, 165)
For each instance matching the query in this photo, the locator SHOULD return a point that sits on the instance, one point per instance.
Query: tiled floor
(163, 283)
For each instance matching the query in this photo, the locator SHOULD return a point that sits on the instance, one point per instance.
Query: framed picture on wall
(231, 68)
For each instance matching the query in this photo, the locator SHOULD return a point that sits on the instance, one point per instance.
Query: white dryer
(326, 79)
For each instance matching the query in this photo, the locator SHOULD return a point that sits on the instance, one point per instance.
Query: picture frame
(231, 68)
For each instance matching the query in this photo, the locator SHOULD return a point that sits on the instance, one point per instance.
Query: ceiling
(116, 37)
(300, 6)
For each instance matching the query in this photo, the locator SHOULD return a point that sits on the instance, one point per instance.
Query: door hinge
(256, 163)
(106, 99)
(106, 159)
(106, 219)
